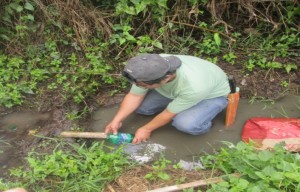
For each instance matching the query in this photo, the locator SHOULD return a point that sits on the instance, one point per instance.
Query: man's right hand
(113, 127)
(129, 104)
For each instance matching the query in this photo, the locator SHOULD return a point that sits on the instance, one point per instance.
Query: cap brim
(174, 61)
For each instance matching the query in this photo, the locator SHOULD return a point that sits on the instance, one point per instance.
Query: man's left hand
(141, 135)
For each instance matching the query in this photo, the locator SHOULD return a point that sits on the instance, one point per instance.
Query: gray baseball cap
(147, 67)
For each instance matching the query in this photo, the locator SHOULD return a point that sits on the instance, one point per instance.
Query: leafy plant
(284, 84)
(210, 45)
(276, 170)
(5, 185)
(256, 60)
(82, 168)
(290, 66)
(18, 20)
(74, 115)
(134, 8)
(159, 170)
(230, 57)
(12, 82)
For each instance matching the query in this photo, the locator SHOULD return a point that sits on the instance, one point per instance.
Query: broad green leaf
(285, 166)
(162, 3)
(265, 155)
(293, 175)
(252, 156)
(289, 67)
(27, 90)
(170, 25)
(217, 39)
(122, 41)
(4, 37)
(277, 176)
(130, 10)
(254, 189)
(129, 37)
(148, 176)
(157, 44)
(163, 176)
(260, 175)
(7, 18)
(136, 1)
(274, 64)
(140, 7)
(30, 17)
(242, 184)
(28, 6)
(19, 8)
(269, 170)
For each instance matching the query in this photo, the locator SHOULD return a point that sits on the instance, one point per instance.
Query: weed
(210, 44)
(5, 185)
(284, 84)
(276, 170)
(73, 115)
(3, 143)
(283, 112)
(261, 99)
(290, 66)
(11, 81)
(159, 170)
(212, 59)
(81, 168)
(35, 56)
(298, 106)
(256, 60)
(129, 8)
(230, 57)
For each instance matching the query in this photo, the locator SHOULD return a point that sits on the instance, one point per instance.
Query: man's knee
(143, 111)
(191, 128)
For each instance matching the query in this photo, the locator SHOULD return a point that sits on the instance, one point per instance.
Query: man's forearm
(130, 103)
(160, 120)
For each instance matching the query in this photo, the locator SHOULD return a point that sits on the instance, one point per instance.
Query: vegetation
(75, 49)
(72, 51)
(276, 170)
(89, 168)
(70, 167)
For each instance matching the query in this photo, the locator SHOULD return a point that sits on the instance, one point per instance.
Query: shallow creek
(175, 145)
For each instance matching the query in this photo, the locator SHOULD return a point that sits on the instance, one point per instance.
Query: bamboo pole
(199, 183)
(96, 135)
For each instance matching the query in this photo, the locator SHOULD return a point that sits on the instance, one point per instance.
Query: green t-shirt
(196, 80)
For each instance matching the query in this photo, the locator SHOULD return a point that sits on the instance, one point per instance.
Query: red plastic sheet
(266, 132)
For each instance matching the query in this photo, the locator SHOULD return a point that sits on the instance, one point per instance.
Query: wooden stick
(199, 183)
(110, 188)
(83, 134)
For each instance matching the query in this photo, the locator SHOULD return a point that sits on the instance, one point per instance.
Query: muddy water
(13, 128)
(181, 146)
(167, 140)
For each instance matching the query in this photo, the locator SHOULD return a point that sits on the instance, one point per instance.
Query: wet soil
(262, 84)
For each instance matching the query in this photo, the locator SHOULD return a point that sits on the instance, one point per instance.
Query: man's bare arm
(130, 103)
(143, 133)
